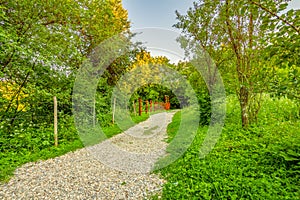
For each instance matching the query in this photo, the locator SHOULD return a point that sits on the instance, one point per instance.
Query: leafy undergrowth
(32, 144)
(262, 162)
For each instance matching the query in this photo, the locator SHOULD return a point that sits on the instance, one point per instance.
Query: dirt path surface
(118, 168)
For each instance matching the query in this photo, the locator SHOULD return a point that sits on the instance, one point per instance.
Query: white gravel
(118, 168)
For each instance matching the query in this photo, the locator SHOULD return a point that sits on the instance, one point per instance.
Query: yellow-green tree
(43, 43)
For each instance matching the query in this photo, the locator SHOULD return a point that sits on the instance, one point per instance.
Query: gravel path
(117, 168)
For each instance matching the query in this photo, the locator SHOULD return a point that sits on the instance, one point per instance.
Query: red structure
(157, 105)
(167, 102)
(140, 106)
(146, 109)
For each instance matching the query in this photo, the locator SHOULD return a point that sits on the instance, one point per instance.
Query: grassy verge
(39, 146)
(11, 160)
(260, 163)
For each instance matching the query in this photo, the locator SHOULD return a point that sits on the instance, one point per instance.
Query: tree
(282, 47)
(238, 25)
(43, 43)
(143, 66)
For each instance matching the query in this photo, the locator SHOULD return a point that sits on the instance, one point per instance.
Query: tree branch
(276, 15)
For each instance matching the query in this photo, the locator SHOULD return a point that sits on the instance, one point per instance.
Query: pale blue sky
(155, 13)
(161, 14)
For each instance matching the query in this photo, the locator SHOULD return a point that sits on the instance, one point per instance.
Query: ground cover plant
(253, 44)
(262, 162)
(33, 144)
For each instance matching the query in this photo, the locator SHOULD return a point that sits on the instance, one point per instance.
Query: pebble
(118, 168)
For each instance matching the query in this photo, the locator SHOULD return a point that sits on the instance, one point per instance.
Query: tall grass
(260, 163)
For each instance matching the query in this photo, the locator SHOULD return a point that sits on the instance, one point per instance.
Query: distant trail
(117, 168)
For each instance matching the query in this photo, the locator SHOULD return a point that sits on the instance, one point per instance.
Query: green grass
(37, 144)
(260, 163)
(11, 160)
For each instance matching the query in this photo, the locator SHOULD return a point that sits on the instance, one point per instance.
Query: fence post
(94, 113)
(167, 102)
(147, 103)
(150, 106)
(134, 111)
(55, 121)
(140, 106)
(114, 110)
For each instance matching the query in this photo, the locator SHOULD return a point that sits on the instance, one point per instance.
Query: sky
(155, 13)
(160, 16)
(295, 4)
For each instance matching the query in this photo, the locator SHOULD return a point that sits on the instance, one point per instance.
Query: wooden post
(114, 109)
(94, 113)
(140, 106)
(134, 110)
(165, 103)
(146, 109)
(55, 121)
(150, 106)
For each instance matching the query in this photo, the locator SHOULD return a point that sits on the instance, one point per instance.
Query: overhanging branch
(276, 15)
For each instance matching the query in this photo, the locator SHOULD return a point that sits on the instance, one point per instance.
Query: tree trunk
(244, 101)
